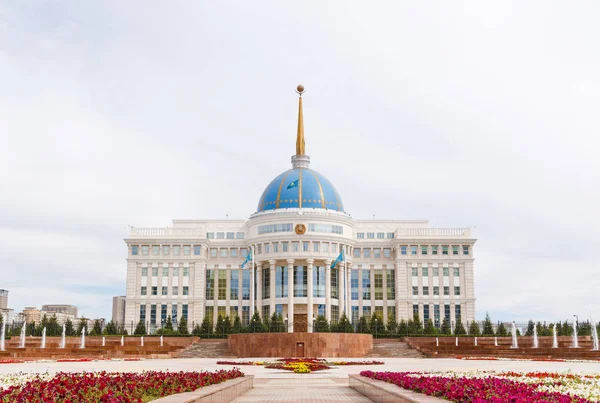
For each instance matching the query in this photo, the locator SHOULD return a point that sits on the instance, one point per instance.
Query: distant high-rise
(61, 308)
(118, 310)
(3, 300)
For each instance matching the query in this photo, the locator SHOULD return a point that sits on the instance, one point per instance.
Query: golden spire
(300, 137)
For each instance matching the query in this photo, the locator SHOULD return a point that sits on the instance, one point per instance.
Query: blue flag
(338, 259)
(293, 184)
(248, 258)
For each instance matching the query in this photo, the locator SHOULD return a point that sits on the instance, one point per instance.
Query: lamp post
(376, 328)
(576, 319)
(223, 326)
(286, 323)
(313, 323)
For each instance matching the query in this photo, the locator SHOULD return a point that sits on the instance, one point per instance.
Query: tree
(81, 325)
(488, 329)
(474, 329)
(415, 327)
(459, 329)
(207, 326)
(501, 330)
(559, 331)
(567, 329)
(182, 326)
(445, 328)
(168, 327)
(403, 328)
(344, 325)
(429, 329)
(256, 325)
(276, 324)
(237, 325)
(140, 329)
(392, 325)
(197, 331)
(530, 326)
(110, 328)
(53, 328)
(97, 329)
(321, 324)
(377, 326)
(223, 325)
(69, 329)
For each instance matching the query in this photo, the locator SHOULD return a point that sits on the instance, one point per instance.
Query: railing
(165, 232)
(433, 232)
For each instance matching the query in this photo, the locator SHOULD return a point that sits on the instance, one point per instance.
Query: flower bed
(357, 363)
(498, 387)
(300, 365)
(106, 387)
(459, 357)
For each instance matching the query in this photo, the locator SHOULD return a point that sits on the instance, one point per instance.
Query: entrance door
(300, 323)
(300, 349)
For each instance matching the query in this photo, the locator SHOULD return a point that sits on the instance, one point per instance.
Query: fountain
(2, 336)
(142, 341)
(63, 339)
(161, 341)
(122, 341)
(22, 338)
(595, 337)
(575, 338)
(536, 342)
(437, 342)
(43, 345)
(456, 342)
(515, 343)
(495, 341)
(475, 342)
(103, 341)
(82, 345)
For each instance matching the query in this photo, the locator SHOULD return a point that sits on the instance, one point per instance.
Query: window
(294, 246)
(356, 253)
(425, 290)
(165, 272)
(436, 315)
(334, 285)
(268, 229)
(231, 235)
(444, 250)
(415, 310)
(387, 252)
(465, 249)
(424, 249)
(174, 311)
(321, 309)
(134, 251)
(370, 235)
(186, 290)
(222, 284)
(186, 272)
(175, 290)
(234, 285)
(259, 248)
(456, 272)
(276, 247)
(300, 281)
(391, 311)
(378, 277)
(155, 272)
(447, 312)
(213, 252)
(354, 285)
(436, 290)
(144, 272)
(327, 228)
(224, 252)
(210, 284)
(176, 250)
(145, 250)
(166, 250)
(155, 250)
(434, 250)
(446, 271)
(379, 314)
(425, 312)
(436, 272)
(446, 290)
(319, 282)
(415, 290)
(143, 313)
(457, 290)
(197, 250)
(366, 284)
(455, 250)
(415, 272)
(367, 253)
(281, 279)
(377, 253)
(334, 248)
(413, 250)
(243, 252)
(153, 314)
(391, 284)
(163, 314)
(324, 247)
(360, 235)
(184, 311)
(143, 290)
(265, 312)
(354, 314)
(164, 290)
(154, 290)
(245, 315)
(220, 235)
(240, 235)
(210, 235)
(284, 246)
(233, 252)
(305, 246)
(267, 248)
(391, 235)
(266, 284)
(457, 311)
(367, 312)
(403, 250)
(335, 314)
(425, 271)
(246, 284)
(381, 235)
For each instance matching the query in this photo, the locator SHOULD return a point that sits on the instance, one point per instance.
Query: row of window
(288, 227)
(436, 313)
(185, 290)
(435, 271)
(226, 235)
(434, 249)
(436, 290)
(305, 246)
(166, 250)
(375, 253)
(165, 271)
(375, 235)
(163, 313)
(228, 252)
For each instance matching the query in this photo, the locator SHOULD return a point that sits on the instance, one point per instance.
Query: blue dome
(300, 188)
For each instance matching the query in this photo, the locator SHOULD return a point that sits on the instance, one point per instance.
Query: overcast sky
(117, 113)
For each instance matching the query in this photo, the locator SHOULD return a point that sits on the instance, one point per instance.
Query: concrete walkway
(305, 388)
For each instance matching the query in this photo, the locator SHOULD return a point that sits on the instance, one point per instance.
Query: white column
(259, 288)
(328, 290)
(309, 295)
(272, 286)
(290, 313)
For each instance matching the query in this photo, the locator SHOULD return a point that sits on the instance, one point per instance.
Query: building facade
(60, 308)
(391, 268)
(33, 315)
(118, 310)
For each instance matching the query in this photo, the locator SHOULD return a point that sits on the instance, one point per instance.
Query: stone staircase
(393, 349)
(215, 348)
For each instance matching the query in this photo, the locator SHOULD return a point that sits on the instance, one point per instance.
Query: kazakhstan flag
(248, 258)
(293, 184)
(337, 260)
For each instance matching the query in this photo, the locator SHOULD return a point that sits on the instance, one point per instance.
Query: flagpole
(253, 293)
(345, 283)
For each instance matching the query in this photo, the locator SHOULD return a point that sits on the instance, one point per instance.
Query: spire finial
(300, 137)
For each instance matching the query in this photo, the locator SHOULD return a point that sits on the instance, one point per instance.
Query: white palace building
(392, 268)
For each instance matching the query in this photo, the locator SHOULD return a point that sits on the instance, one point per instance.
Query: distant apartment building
(61, 308)
(118, 310)
(32, 314)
